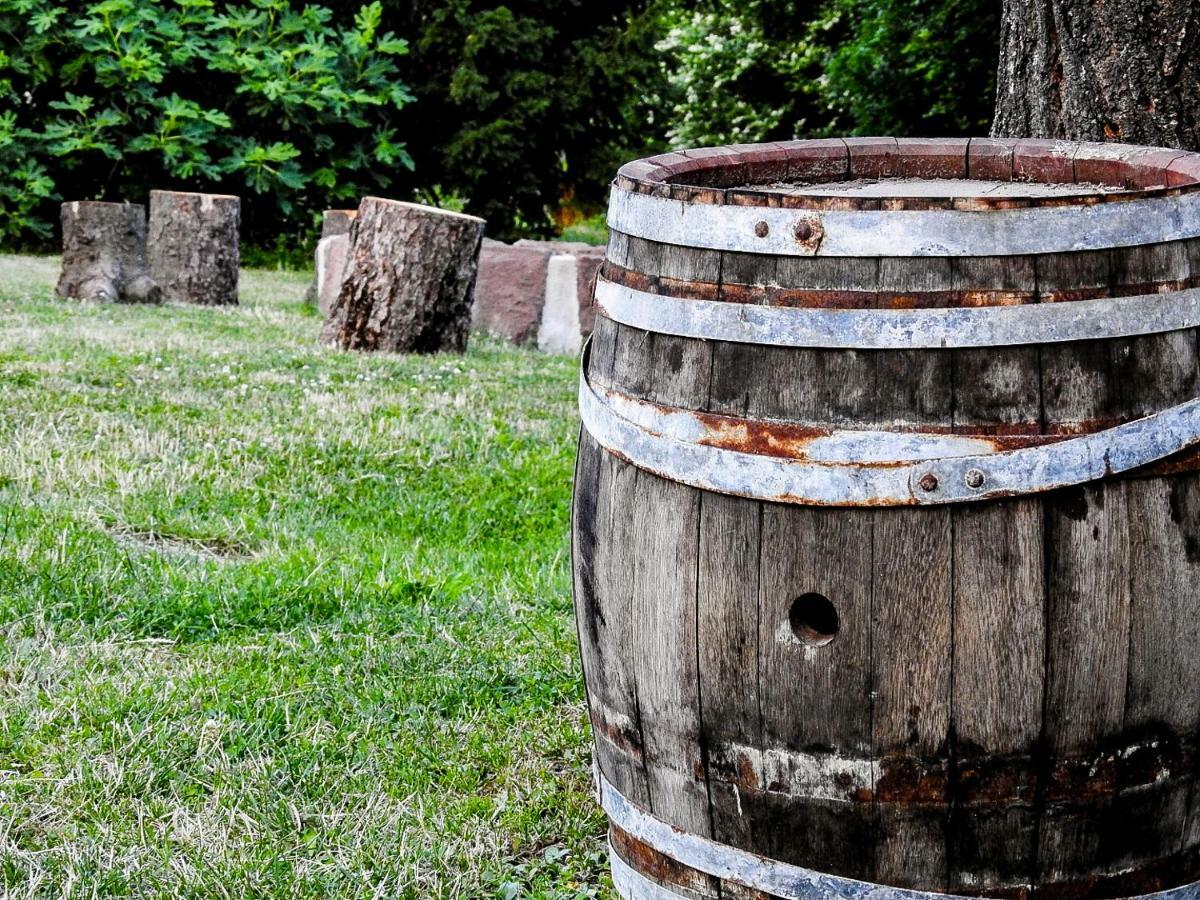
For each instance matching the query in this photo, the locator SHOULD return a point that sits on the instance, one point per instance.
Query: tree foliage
(923, 68)
(748, 70)
(527, 107)
(516, 110)
(267, 99)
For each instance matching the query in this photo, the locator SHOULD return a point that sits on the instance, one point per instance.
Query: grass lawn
(282, 621)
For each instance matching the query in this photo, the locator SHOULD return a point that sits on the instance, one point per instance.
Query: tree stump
(409, 280)
(104, 253)
(329, 259)
(194, 246)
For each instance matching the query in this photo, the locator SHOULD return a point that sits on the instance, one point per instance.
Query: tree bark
(1117, 70)
(334, 223)
(409, 280)
(104, 253)
(194, 246)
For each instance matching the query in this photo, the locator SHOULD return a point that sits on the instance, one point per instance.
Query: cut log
(409, 280)
(329, 259)
(104, 253)
(194, 246)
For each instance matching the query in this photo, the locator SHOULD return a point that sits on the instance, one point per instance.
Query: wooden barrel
(886, 528)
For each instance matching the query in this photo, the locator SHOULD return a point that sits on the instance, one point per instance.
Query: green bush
(275, 102)
(752, 70)
(735, 73)
(909, 67)
(528, 107)
(516, 110)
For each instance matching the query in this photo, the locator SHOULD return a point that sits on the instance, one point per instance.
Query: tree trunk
(1118, 70)
(104, 253)
(409, 280)
(194, 246)
(327, 271)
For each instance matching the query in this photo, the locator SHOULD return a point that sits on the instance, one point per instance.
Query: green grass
(277, 620)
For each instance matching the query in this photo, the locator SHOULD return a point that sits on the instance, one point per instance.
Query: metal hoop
(1001, 232)
(895, 472)
(905, 329)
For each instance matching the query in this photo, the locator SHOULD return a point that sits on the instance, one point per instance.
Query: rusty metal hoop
(883, 468)
(866, 232)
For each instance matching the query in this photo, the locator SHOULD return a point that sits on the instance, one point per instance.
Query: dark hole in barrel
(814, 619)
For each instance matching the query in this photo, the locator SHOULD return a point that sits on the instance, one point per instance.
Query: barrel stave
(816, 728)
(604, 485)
(729, 684)
(999, 639)
(998, 692)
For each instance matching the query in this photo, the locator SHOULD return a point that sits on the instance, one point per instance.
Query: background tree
(747, 70)
(526, 107)
(515, 110)
(1124, 70)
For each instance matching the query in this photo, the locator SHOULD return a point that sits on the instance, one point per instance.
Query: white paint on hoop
(900, 329)
(995, 232)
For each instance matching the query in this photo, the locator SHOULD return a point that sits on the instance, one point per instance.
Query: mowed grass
(281, 621)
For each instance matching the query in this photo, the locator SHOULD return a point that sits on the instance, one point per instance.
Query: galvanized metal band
(631, 884)
(900, 329)
(1001, 232)
(778, 879)
(876, 468)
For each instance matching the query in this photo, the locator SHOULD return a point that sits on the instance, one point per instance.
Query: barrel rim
(739, 174)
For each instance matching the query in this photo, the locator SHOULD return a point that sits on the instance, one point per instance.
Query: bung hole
(814, 619)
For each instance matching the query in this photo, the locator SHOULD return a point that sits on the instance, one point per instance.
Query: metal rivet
(975, 478)
(804, 230)
(928, 482)
(762, 229)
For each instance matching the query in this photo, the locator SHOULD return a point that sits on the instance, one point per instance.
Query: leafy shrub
(275, 102)
(528, 105)
(734, 78)
(750, 70)
(516, 110)
(910, 67)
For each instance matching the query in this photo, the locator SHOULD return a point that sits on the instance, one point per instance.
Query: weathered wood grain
(912, 643)
(999, 623)
(661, 654)
(728, 654)
(602, 607)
